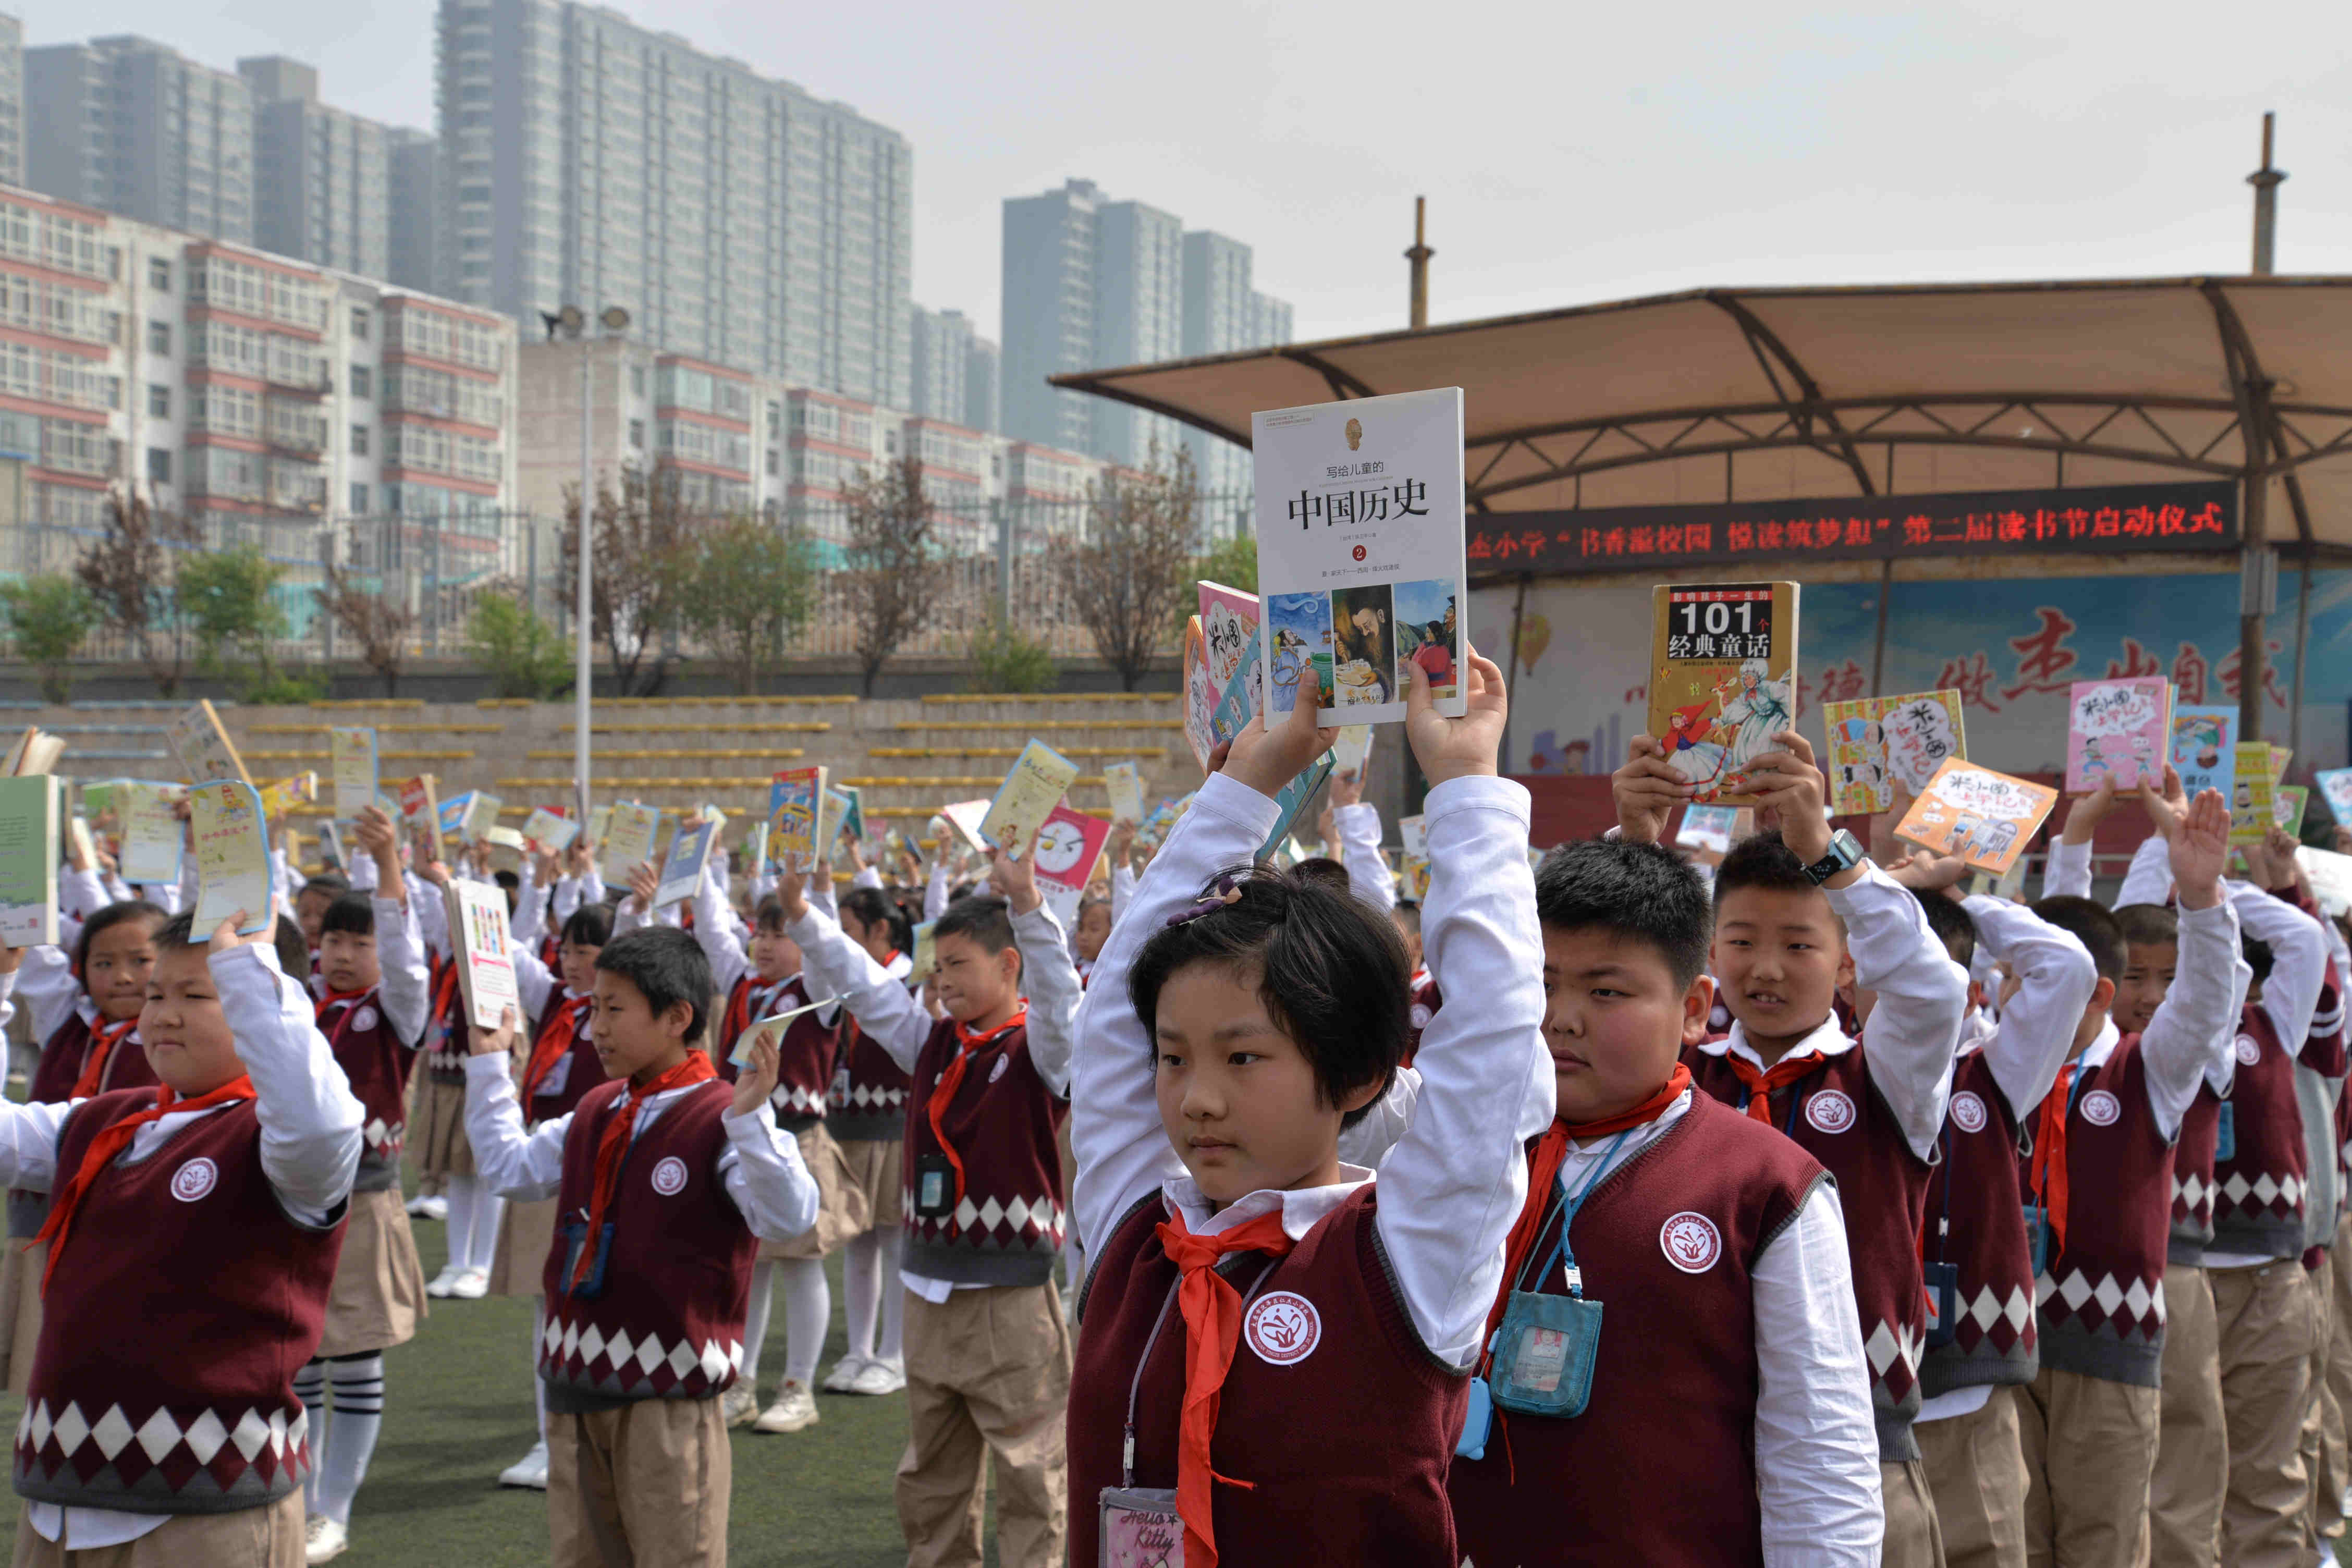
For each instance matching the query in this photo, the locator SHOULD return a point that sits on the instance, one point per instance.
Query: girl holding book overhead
(1239, 1020)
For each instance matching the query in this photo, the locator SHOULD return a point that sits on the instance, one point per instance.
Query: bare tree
(892, 579)
(639, 573)
(1126, 575)
(377, 622)
(131, 572)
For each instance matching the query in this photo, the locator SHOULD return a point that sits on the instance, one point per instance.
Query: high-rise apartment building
(737, 218)
(954, 370)
(412, 162)
(983, 387)
(128, 126)
(323, 192)
(12, 100)
(1049, 314)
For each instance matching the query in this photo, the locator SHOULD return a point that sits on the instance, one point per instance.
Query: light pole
(572, 321)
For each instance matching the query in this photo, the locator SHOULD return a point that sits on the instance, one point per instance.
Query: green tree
(523, 654)
(49, 618)
(1005, 659)
(1231, 561)
(229, 600)
(750, 588)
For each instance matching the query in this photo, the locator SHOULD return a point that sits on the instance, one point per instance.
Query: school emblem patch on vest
(2100, 1107)
(669, 1176)
(2250, 1051)
(363, 1020)
(1283, 1328)
(1969, 1110)
(195, 1179)
(1830, 1112)
(1690, 1242)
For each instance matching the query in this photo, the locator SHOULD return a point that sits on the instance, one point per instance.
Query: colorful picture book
(629, 841)
(1707, 827)
(2335, 786)
(2118, 731)
(279, 799)
(1238, 704)
(960, 824)
(477, 930)
(2330, 876)
(1068, 845)
(352, 765)
(1875, 743)
(1293, 799)
(1723, 679)
(1985, 818)
(2287, 809)
(853, 814)
(419, 811)
(1352, 750)
(203, 746)
(2252, 797)
(1201, 693)
(150, 835)
(1229, 619)
(1409, 836)
(1123, 782)
(2204, 750)
(1039, 777)
(550, 831)
(926, 957)
(32, 810)
(232, 847)
(795, 801)
(1359, 553)
(682, 869)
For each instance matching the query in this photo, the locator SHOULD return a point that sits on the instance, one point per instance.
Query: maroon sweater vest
(1668, 1244)
(54, 1076)
(1836, 1115)
(378, 1065)
(1319, 1493)
(182, 1304)
(1426, 1001)
(2192, 1180)
(662, 1318)
(2101, 1295)
(445, 1046)
(1975, 1222)
(869, 1091)
(804, 1064)
(569, 1081)
(2259, 1190)
(1007, 1229)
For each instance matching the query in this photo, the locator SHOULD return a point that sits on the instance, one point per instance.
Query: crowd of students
(1598, 1208)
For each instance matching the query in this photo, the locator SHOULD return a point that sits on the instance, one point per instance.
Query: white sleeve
(530, 905)
(867, 877)
(772, 1189)
(885, 1010)
(521, 1166)
(406, 985)
(28, 1143)
(1454, 1183)
(2067, 872)
(1122, 1154)
(2149, 879)
(2055, 979)
(119, 891)
(714, 930)
(165, 896)
(431, 907)
(190, 884)
(1055, 992)
(1368, 869)
(311, 1120)
(360, 873)
(935, 891)
(1816, 1441)
(2298, 960)
(45, 982)
(820, 897)
(1368, 1142)
(1122, 891)
(80, 895)
(1923, 997)
(565, 897)
(2193, 1024)
(592, 884)
(535, 983)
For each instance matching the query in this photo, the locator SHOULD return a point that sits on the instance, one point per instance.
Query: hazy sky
(1667, 146)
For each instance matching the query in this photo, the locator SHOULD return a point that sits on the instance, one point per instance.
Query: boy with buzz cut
(667, 1179)
(1741, 1360)
(1800, 913)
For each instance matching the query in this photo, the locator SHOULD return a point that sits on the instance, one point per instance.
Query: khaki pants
(643, 1486)
(267, 1537)
(1914, 1539)
(2192, 1450)
(1977, 1465)
(2319, 1511)
(2264, 1316)
(988, 1374)
(2089, 1447)
(2336, 1451)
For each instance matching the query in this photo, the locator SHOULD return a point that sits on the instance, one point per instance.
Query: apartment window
(362, 382)
(159, 465)
(637, 383)
(159, 275)
(774, 460)
(359, 499)
(159, 337)
(359, 440)
(638, 434)
(159, 401)
(359, 321)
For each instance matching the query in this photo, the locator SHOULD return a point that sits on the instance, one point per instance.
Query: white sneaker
(471, 1285)
(444, 1284)
(880, 1376)
(324, 1540)
(530, 1470)
(435, 1208)
(843, 1378)
(416, 1206)
(739, 1405)
(794, 1408)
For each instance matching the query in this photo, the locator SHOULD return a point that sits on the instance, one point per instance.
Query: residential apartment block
(954, 370)
(12, 100)
(132, 127)
(324, 186)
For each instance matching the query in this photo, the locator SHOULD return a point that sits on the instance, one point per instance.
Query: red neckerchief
(2047, 1175)
(445, 992)
(953, 1079)
(740, 1008)
(552, 1043)
(1763, 1083)
(612, 1145)
(110, 1142)
(103, 1037)
(1213, 1326)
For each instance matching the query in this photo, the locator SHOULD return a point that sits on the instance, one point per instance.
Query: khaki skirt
(876, 1169)
(437, 1131)
(526, 1230)
(20, 1298)
(378, 1292)
(841, 1202)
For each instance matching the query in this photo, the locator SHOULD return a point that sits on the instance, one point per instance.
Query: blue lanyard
(1563, 1253)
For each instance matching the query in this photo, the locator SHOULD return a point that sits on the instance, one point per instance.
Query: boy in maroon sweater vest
(192, 1233)
(667, 1178)
(1800, 913)
(988, 1353)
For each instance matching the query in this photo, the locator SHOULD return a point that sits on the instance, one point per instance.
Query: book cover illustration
(1410, 839)
(2253, 800)
(1163, 816)
(1238, 704)
(1352, 749)
(2204, 750)
(32, 808)
(477, 924)
(1068, 845)
(1123, 782)
(1985, 818)
(927, 953)
(1201, 693)
(1876, 742)
(551, 832)
(1723, 679)
(600, 822)
(2335, 786)
(2119, 731)
(1707, 827)
(1293, 799)
(1039, 777)
(957, 827)
(629, 840)
(682, 869)
(1229, 619)
(795, 800)
(232, 845)
(150, 835)
(203, 746)
(1359, 550)
(853, 814)
(279, 799)
(353, 767)
(2330, 876)
(2288, 808)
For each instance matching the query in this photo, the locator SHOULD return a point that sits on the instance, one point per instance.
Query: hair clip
(1225, 893)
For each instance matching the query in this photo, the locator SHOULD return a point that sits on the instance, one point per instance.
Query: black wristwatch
(1845, 853)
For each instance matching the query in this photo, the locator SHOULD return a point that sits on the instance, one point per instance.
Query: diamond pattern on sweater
(572, 1352)
(2134, 1309)
(116, 1455)
(204, 1437)
(250, 1433)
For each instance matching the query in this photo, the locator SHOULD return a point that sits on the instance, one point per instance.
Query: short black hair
(112, 915)
(508, 879)
(1086, 904)
(1951, 925)
(873, 907)
(331, 884)
(1763, 861)
(1330, 973)
(1645, 891)
(2148, 925)
(769, 914)
(591, 925)
(351, 913)
(293, 951)
(2259, 957)
(2092, 925)
(666, 966)
(979, 916)
(1323, 868)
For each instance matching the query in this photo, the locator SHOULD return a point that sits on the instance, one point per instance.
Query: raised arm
(2196, 1020)
(28, 1132)
(714, 930)
(2298, 960)
(1048, 974)
(311, 1120)
(2055, 979)
(1368, 869)
(515, 1164)
(1915, 1026)
(885, 1009)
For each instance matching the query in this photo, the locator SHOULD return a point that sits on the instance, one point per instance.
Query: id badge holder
(1478, 1422)
(2037, 1236)
(1943, 1282)
(2225, 1132)
(841, 1086)
(1140, 1527)
(934, 1186)
(1544, 1355)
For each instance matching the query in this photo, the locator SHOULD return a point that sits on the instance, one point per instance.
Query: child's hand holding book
(1466, 747)
(1647, 792)
(498, 1042)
